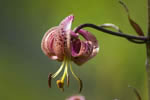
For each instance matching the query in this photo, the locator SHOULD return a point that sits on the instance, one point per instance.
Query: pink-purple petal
(81, 51)
(61, 41)
(47, 42)
(74, 35)
(89, 37)
(56, 41)
(67, 23)
(65, 26)
(81, 55)
(58, 45)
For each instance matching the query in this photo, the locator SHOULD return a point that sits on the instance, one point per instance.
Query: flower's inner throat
(76, 46)
(66, 64)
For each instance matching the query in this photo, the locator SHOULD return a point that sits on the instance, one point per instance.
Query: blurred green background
(24, 68)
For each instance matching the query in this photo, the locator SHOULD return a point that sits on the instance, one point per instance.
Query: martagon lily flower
(63, 44)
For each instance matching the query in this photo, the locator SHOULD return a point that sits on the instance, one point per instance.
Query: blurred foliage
(24, 68)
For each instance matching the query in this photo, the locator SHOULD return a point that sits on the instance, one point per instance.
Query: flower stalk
(136, 39)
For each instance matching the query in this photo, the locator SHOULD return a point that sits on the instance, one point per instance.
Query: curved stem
(141, 39)
(136, 41)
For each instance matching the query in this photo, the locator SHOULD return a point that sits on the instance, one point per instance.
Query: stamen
(67, 75)
(76, 77)
(60, 69)
(60, 84)
(67, 61)
(67, 80)
(65, 71)
(49, 80)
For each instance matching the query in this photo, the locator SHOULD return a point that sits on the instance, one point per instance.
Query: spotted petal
(83, 50)
(66, 28)
(56, 41)
(89, 37)
(47, 43)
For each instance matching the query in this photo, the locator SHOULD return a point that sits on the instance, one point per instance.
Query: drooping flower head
(63, 44)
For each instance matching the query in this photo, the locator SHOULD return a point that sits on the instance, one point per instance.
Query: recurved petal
(65, 26)
(67, 23)
(58, 44)
(74, 35)
(56, 41)
(47, 43)
(81, 51)
(90, 37)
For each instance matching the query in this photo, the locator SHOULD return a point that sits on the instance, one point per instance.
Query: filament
(76, 77)
(65, 71)
(60, 69)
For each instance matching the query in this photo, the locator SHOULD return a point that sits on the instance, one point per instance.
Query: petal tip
(67, 22)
